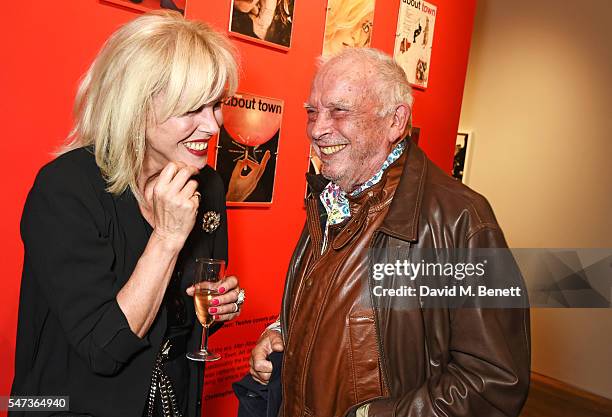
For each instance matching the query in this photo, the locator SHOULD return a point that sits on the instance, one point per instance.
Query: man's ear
(399, 121)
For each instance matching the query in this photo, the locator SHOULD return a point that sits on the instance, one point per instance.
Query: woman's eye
(199, 109)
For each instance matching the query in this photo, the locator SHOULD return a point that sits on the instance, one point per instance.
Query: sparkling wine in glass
(207, 270)
(203, 299)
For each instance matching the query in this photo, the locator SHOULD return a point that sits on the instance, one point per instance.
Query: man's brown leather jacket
(440, 362)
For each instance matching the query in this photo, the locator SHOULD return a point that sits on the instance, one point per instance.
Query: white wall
(538, 100)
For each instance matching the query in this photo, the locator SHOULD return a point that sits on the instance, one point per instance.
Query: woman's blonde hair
(159, 52)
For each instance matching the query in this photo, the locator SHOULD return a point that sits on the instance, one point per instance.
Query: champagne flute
(207, 270)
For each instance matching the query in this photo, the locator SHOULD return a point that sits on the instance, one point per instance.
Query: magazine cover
(414, 39)
(348, 23)
(247, 148)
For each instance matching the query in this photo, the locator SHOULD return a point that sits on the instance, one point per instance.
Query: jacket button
(372, 364)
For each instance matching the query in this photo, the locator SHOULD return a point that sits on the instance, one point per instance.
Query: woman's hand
(223, 305)
(174, 202)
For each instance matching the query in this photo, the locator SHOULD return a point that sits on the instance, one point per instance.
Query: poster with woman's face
(263, 21)
(414, 40)
(248, 147)
(348, 23)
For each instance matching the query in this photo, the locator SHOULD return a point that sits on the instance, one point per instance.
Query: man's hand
(261, 368)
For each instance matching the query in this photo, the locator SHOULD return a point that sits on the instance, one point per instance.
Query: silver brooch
(211, 221)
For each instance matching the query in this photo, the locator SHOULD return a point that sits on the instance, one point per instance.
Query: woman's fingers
(227, 284)
(175, 203)
(173, 178)
(204, 285)
(229, 297)
(168, 172)
(226, 317)
(224, 310)
(190, 291)
(227, 288)
(181, 179)
(189, 192)
(180, 188)
(223, 306)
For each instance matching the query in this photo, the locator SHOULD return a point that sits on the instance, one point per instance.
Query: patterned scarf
(334, 199)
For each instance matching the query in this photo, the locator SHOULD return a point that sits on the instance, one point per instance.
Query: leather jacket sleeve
(479, 367)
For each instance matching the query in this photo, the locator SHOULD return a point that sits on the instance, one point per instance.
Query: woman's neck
(145, 183)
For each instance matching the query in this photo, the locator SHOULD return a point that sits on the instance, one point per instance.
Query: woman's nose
(207, 122)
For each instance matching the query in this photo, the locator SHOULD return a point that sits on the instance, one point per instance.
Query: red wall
(47, 45)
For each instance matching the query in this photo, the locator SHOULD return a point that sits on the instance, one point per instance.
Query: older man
(346, 353)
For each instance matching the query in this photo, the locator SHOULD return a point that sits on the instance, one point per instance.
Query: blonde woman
(112, 226)
(348, 24)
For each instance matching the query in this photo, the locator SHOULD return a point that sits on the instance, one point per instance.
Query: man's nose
(321, 126)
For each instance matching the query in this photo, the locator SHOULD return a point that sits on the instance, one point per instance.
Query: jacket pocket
(364, 357)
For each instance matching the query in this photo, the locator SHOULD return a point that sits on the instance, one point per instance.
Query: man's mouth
(330, 150)
(197, 147)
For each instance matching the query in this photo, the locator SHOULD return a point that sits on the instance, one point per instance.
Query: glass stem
(205, 339)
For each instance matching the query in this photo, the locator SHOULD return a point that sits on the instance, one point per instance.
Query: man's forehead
(336, 86)
(343, 71)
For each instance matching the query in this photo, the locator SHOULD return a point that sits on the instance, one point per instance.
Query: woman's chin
(199, 163)
(189, 158)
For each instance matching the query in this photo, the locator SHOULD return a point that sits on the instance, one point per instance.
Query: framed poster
(148, 5)
(414, 39)
(247, 148)
(348, 23)
(459, 160)
(269, 22)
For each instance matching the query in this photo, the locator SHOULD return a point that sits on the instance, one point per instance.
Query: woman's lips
(197, 147)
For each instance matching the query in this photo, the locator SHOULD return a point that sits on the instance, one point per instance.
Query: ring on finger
(241, 297)
(236, 308)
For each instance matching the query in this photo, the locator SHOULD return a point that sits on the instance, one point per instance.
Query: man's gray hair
(391, 86)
